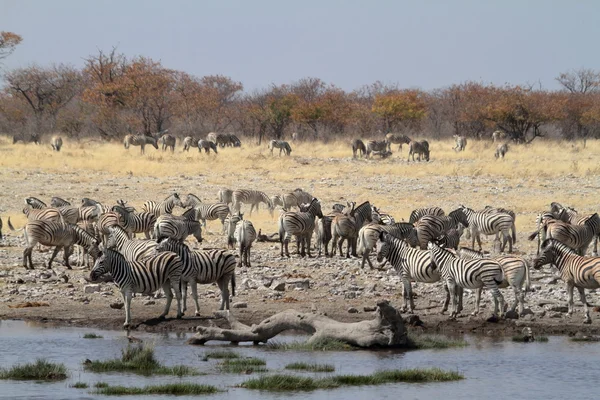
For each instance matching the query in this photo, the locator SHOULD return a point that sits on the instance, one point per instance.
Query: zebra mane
(558, 245)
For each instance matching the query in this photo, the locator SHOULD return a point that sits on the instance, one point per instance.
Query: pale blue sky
(425, 44)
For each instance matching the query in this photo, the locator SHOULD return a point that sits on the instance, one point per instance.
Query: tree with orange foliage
(8, 42)
(400, 108)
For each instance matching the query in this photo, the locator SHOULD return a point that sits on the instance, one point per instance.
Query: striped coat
(164, 207)
(168, 141)
(252, 197)
(132, 249)
(178, 227)
(189, 142)
(417, 214)
(421, 149)
(346, 227)
(300, 224)
(358, 146)
(370, 233)
(281, 145)
(245, 235)
(135, 222)
(207, 145)
(377, 146)
(392, 138)
(489, 224)
(140, 140)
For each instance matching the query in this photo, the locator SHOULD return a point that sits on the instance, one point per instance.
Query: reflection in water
(495, 369)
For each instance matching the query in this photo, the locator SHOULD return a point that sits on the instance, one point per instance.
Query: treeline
(113, 95)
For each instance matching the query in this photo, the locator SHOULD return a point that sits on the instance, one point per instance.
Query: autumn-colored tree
(8, 43)
(400, 109)
(464, 108)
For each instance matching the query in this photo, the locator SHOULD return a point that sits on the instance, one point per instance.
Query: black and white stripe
(460, 143)
(489, 224)
(282, 145)
(421, 149)
(164, 207)
(168, 141)
(207, 145)
(59, 202)
(245, 235)
(136, 222)
(205, 211)
(346, 227)
(140, 140)
(451, 239)
(229, 227)
(225, 195)
(377, 146)
(430, 227)
(252, 197)
(419, 213)
(132, 249)
(300, 224)
(392, 138)
(178, 227)
(577, 237)
(189, 142)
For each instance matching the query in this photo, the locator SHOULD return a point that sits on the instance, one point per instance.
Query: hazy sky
(426, 44)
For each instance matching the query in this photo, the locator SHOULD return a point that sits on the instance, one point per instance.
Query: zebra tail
(533, 235)
(527, 281)
(514, 233)
(12, 228)
(233, 284)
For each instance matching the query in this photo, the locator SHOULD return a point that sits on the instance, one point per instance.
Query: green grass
(138, 359)
(319, 345)
(220, 354)
(523, 339)
(41, 370)
(585, 339)
(299, 366)
(101, 385)
(297, 383)
(423, 342)
(80, 385)
(177, 389)
(240, 365)
(92, 336)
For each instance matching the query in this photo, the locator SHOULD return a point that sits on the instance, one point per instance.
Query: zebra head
(35, 202)
(175, 199)
(459, 216)
(551, 252)
(101, 267)
(166, 244)
(338, 207)
(383, 246)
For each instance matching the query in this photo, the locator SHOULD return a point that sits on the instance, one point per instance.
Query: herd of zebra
(211, 142)
(424, 249)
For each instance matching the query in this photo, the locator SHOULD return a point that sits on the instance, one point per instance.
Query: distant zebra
(516, 272)
(347, 227)
(300, 224)
(58, 234)
(392, 138)
(204, 267)
(136, 222)
(146, 277)
(358, 146)
(489, 224)
(497, 136)
(233, 140)
(164, 207)
(219, 139)
(501, 150)
(370, 233)
(468, 274)
(132, 249)
(252, 197)
(229, 227)
(207, 145)
(189, 142)
(430, 227)
(56, 143)
(205, 211)
(420, 149)
(225, 195)
(178, 228)
(376, 146)
(577, 237)
(58, 202)
(140, 140)
(245, 235)
(282, 145)
(461, 143)
(577, 272)
(168, 141)
(417, 214)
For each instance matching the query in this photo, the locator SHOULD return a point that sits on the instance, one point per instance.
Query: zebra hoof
(587, 321)
(179, 316)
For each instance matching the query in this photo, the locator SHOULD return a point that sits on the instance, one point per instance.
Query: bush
(41, 370)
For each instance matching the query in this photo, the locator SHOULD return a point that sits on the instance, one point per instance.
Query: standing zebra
(417, 214)
(204, 267)
(497, 136)
(105, 221)
(282, 145)
(178, 228)
(70, 214)
(252, 197)
(489, 224)
(56, 143)
(515, 269)
(392, 138)
(146, 277)
(323, 234)
(189, 142)
(577, 237)
(461, 143)
(494, 210)
(245, 235)
(577, 271)
(376, 146)
(225, 195)
(132, 249)
(205, 212)
(370, 233)
(451, 239)
(233, 140)
(164, 207)
(140, 140)
(419, 148)
(49, 214)
(229, 227)
(469, 274)
(56, 234)
(430, 227)
(358, 146)
(347, 226)
(167, 141)
(135, 222)
(207, 145)
(501, 150)
(301, 224)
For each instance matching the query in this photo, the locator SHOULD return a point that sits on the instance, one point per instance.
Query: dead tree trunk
(387, 329)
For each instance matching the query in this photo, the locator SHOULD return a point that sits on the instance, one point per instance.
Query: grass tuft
(101, 385)
(92, 336)
(585, 339)
(220, 354)
(176, 389)
(243, 365)
(41, 370)
(79, 385)
(319, 345)
(527, 339)
(299, 366)
(423, 342)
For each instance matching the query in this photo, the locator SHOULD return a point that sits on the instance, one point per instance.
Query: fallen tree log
(387, 329)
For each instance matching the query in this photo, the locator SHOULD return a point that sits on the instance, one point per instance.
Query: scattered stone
(511, 315)
(298, 284)
(278, 286)
(91, 288)
(149, 302)
(352, 310)
(555, 315)
(414, 320)
(561, 309)
(369, 308)
(241, 304)
(551, 281)
(116, 305)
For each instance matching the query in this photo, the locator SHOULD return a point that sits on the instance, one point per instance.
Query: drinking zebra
(461, 143)
(516, 272)
(468, 274)
(489, 224)
(282, 145)
(417, 214)
(420, 149)
(205, 211)
(204, 267)
(168, 141)
(163, 270)
(252, 197)
(178, 227)
(58, 234)
(56, 143)
(225, 195)
(245, 235)
(577, 271)
(392, 138)
(358, 146)
(207, 145)
(164, 207)
(133, 223)
(376, 146)
(347, 227)
(300, 224)
(140, 140)
(430, 227)
(501, 150)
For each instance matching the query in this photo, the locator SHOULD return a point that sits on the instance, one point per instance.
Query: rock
(352, 310)
(278, 286)
(553, 280)
(369, 308)
(414, 320)
(555, 315)
(493, 319)
(116, 305)
(350, 295)
(241, 304)
(511, 315)
(371, 288)
(561, 309)
(298, 284)
(149, 302)
(91, 288)
(527, 311)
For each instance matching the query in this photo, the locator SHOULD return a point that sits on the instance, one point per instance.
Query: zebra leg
(570, 286)
(407, 292)
(353, 241)
(308, 239)
(27, 256)
(447, 300)
(365, 257)
(498, 300)
(223, 284)
(477, 301)
(452, 289)
(586, 310)
(184, 285)
(54, 253)
(127, 300)
(169, 295)
(67, 251)
(459, 294)
(248, 257)
(519, 300)
(194, 287)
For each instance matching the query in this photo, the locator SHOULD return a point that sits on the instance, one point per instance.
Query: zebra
(577, 237)
(301, 196)
(140, 140)
(178, 228)
(392, 138)
(49, 214)
(82, 253)
(489, 224)
(233, 140)
(577, 271)
(497, 136)
(164, 207)
(58, 202)
(461, 143)
(501, 150)
(189, 142)
(347, 227)
(468, 274)
(375, 146)
(281, 145)
(56, 234)
(70, 214)
(252, 197)
(358, 146)
(419, 148)
(56, 143)
(220, 139)
(417, 214)
(132, 249)
(565, 214)
(301, 224)
(494, 210)
(205, 212)
(229, 227)
(225, 195)
(323, 234)
(204, 267)
(412, 265)
(294, 136)
(133, 223)
(370, 233)
(430, 227)
(105, 221)
(292, 199)
(167, 141)
(207, 145)
(515, 269)
(384, 218)
(277, 200)
(245, 235)
(147, 276)
(451, 239)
